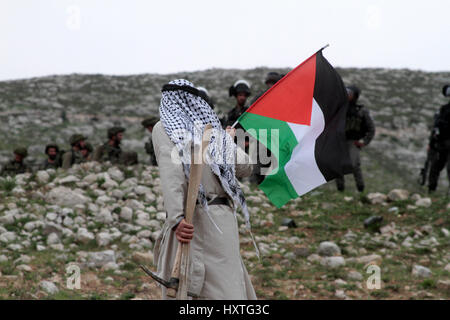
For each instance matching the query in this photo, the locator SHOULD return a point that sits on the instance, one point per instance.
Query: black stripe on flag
(331, 152)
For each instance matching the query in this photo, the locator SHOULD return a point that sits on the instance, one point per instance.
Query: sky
(122, 37)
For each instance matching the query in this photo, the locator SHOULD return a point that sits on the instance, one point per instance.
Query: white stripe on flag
(302, 169)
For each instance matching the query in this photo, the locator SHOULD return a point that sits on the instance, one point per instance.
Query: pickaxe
(171, 284)
(178, 282)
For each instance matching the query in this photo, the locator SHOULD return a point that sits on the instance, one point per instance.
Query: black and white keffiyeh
(184, 116)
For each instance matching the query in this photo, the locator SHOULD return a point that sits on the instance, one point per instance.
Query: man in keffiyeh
(216, 270)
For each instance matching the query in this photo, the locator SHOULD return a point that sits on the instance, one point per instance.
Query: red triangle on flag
(291, 98)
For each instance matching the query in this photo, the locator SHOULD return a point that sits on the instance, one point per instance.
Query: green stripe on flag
(276, 186)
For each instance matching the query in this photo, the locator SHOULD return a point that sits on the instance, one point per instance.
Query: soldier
(241, 91)
(148, 124)
(74, 156)
(16, 165)
(111, 150)
(441, 136)
(87, 152)
(359, 126)
(53, 160)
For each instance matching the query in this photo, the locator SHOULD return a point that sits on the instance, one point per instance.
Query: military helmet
(149, 122)
(273, 77)
(355, 90)
(21, 151)
(446, 90)
(51, 145)
(75, 138)
(114, 130)
(238, 87)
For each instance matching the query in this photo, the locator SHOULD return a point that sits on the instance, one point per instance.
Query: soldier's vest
(110, 153)
(355, 124)
(13, 168)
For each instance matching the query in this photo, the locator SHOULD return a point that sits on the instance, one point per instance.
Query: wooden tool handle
(195, 176)
(172, 292)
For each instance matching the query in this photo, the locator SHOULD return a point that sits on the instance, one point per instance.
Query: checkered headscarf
(184, 116)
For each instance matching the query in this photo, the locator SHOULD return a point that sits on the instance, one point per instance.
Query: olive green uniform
(50, 165)
(107, 152)
(70, 158)
(13, 167)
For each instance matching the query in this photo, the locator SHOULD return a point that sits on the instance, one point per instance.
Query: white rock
(99, 259)
(110, 266)
(398, 194)
(7, 219)
(377, 198)
(328, 248)
(126, 213)
(104, 216)
(90, 178)
(141, 190)
(144, 234)
(68, 221)
(8, 237)
(51, 216)
(354, 275)
(103, 239)
(134, 204)
(42, 176)
(421, 272)
(445, 232)
(143, 257)
(53, 239)
(102, 200)
(370, 258)
(333, 262)
(340, 294)
(116, 174)
(423, 202)
(84, 236)
(118, 194)
(68, 179)
(24, 267)
(48, 287)
(161, 216)
(63, 196)
(110, 184)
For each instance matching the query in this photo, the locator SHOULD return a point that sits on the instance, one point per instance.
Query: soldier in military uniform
(111, 150)
(359, 126)
(441, 138)
(53, 160)
(241, 91)
(148, 124)
(16, 165)
(87, 152)
(74, 156)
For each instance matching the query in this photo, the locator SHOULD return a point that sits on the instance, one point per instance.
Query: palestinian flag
(308, 107)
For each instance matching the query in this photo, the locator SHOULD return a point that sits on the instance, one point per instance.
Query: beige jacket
(216, 268)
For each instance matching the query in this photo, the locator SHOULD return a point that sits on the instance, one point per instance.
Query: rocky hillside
(104, 220)
(402, 103)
